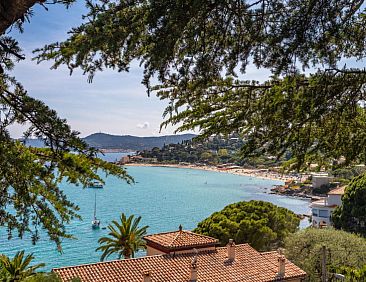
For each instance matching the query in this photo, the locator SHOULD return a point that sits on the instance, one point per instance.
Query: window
(315, 212)
(323, 213)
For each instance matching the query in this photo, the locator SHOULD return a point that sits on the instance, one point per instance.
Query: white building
(321, 210)
(319, 179)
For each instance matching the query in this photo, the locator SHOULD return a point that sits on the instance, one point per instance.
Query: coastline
(257, 173)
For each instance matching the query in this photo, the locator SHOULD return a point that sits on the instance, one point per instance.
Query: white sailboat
(96, 184)
(95, 221)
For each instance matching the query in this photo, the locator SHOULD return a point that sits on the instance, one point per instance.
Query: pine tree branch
(26, 115)
(7, 49)
(12, 11)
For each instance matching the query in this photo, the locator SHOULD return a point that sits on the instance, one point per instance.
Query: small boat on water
(96, 184)
(95, 221)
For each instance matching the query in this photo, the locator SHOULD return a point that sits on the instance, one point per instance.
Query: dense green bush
(325, 188)
(261, 224)
(353, 274)
(351, 215)
(344, 250)
(44, 277)
(348, 173)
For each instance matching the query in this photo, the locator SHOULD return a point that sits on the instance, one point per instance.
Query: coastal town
(306, 185)
(320, 188)
(182, 141)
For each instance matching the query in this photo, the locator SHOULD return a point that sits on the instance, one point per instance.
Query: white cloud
(144, 125)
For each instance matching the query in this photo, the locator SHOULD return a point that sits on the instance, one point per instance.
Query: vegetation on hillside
(133, 143)
(213, 150)
(343, 250)
(346, 174)
(261, 224)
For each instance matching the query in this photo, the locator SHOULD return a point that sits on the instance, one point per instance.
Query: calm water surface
(164, 197)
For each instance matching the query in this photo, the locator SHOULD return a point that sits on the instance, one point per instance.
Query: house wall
(318, 181)
(150, 251)
(321, 216)
(334, 200)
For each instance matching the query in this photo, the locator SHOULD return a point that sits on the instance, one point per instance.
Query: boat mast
(95, 206)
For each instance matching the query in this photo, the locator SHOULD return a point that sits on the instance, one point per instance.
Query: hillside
(128, 142)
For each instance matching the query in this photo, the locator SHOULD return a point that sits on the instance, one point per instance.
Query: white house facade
(321, 210)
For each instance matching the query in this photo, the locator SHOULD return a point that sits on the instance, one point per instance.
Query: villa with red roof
(178, 242)
(321, 210)
(184, 256)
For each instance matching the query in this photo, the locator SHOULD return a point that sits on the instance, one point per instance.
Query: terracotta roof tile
(337, 191)
(181, 239)
(212, 266)
(291, 270)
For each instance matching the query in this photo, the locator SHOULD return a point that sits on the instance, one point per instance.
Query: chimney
(193, 277)
(281, 266)
(147, 276)
(180, 227)
(231, 250)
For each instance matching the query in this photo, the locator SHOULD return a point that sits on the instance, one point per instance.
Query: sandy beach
(258, 173)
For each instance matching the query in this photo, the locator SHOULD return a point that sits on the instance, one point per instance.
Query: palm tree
(18, 268)
(124, 239)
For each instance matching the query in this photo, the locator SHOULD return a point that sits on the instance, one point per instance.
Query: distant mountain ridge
(123, 142)
(135, 143)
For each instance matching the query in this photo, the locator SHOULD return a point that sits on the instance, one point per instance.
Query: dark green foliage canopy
(353, 274)
(261, 224)
(351, 215)
(200, 51)
(344, 250)
(30, 198)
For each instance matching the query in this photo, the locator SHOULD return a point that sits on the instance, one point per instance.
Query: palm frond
(124, 238)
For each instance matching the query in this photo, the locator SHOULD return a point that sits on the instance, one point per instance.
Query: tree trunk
(13, 10)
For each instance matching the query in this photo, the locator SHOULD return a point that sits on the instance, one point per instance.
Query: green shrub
(343, 250)
(261, 224)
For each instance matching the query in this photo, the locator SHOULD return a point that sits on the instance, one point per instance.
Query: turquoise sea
(164, 197)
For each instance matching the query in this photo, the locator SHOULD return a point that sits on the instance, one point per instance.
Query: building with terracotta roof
(177, 242)
(322, 209)
(183, 256)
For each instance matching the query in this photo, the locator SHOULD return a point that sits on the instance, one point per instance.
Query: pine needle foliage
(30, 197)
(261, 224)
(195, 54)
